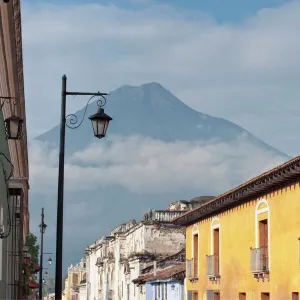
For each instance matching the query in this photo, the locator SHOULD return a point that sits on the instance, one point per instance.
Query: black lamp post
(100, 123)
(43, 229)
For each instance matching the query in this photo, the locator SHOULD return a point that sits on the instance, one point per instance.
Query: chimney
(154, 267)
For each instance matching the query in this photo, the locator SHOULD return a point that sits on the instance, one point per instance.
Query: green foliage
(33, 248)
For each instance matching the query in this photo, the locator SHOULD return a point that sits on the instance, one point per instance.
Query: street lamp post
(100, 123)
(43, 228)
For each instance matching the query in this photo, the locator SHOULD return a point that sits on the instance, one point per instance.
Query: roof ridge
(239, 187)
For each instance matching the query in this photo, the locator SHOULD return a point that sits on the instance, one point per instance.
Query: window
(158, 290)
(216, 237)
(75, 279)
(217, 296)
(265, 296)
(263, 242)
(242, 296)
(295, 296)
(262, 248)
(195, 255)
(195, 295)
(166, 291)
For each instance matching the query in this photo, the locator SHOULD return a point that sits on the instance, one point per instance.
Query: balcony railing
(212, 266)
(259, 260)
(192, 269)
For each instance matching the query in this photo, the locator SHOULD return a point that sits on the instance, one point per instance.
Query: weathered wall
(115, 275)
(164, 239)
(237, 234)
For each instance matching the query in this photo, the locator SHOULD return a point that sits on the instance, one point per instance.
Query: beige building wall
(12, 85)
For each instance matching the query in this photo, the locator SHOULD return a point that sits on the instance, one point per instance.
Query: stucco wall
(237, 234)
(111, 276)
(164, 239)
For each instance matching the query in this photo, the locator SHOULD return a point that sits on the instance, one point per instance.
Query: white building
(114, 261)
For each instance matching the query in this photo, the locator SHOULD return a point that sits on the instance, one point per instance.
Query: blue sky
(238, 61)
(220, 10)
(232, 64)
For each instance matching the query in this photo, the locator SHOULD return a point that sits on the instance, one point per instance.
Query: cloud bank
(145, 165)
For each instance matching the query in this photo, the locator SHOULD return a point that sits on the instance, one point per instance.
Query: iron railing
(259, 260)
(212, 265)
(192, 268)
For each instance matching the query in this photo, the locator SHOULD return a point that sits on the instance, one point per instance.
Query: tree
(33, 248)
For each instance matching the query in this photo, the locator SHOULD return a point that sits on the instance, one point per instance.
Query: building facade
(76, 275)
(163, 279)
(115, 260)
(14, 215)
(245, 243)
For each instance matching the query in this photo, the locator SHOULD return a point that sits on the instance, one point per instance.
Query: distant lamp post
(43, 227)
(100, 123)
(13, 124)
(49, 261)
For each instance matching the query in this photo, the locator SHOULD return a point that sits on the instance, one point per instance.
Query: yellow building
(76, 274)
(244, 244)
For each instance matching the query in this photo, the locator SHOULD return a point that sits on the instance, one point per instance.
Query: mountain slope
(152, 111)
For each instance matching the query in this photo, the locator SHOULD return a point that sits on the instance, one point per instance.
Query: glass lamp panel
(13, 128)
(101, 127)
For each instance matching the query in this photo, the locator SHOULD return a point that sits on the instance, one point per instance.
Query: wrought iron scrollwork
(6, 176)
(72, 121)
(8, 99)
(4, 235)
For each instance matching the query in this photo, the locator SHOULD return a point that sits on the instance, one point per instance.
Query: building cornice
(270, 181)
(20, 78)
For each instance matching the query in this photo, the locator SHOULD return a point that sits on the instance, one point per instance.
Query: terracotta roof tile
(163, 274)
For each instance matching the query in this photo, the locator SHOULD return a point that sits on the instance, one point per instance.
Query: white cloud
(247, 72)
(144, 165)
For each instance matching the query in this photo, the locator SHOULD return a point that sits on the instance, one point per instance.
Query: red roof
(33, 285)
(164, 274)
(35, 267)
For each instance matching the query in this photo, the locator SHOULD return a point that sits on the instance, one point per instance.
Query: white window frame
(212, 228)
(258, 212)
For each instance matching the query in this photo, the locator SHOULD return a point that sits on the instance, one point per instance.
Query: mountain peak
(152, 85)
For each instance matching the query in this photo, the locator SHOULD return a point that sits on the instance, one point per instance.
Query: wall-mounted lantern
(13, 124)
